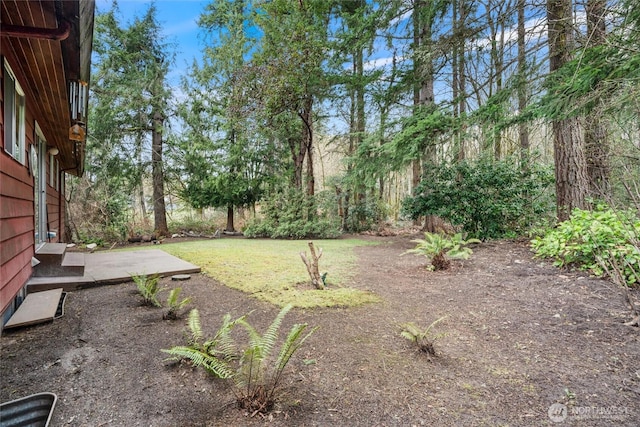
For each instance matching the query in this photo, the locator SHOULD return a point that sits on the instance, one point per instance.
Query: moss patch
(271, 270)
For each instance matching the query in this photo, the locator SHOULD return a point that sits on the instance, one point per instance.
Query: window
(14, 115)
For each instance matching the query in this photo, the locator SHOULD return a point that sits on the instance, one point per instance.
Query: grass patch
(271, 270)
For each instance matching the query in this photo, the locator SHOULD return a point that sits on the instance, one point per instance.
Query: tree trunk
(572, 184)
(523, 131)
(458, 77)
(596, 132)
(597, 155)
(230, 226)
(306, 147)
(360, 190)
(462, 79)
(298, 151)
(159, 209)
(423, 95)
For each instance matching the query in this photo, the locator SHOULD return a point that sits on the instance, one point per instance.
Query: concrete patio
(106, 268)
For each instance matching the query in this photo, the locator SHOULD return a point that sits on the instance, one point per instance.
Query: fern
(258, 376)
(213, 355)
(291, 344)
(148, 288)
(194, 326)
(263, 344)
(440, 248)
(175, 304)
(213, 365)
(423, 339)
(255, 373)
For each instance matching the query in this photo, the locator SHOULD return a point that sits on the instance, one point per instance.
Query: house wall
(17, 219)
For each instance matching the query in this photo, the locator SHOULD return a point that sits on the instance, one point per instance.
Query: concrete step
(67, 283)
(73, 264)
(56, 262)
(36, 308)
(51, 253)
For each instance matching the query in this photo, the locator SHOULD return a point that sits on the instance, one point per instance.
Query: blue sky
(178, 19)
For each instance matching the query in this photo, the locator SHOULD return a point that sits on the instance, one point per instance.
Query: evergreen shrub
(290, 214)
(486, 197)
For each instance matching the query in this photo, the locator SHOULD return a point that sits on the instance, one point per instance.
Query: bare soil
(521, 336)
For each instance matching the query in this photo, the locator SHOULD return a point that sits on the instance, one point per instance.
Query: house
(44, 69)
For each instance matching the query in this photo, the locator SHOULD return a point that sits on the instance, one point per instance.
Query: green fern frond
(410, 331)
(210, 363)
(193, 323)
(436, 245)
(173, 300)
(225, 344)
(254, 373)
(434, 323)
(409, 336)
(291, 344)
(148, 288)
(175, 304)
(255, 339)
(271, 334)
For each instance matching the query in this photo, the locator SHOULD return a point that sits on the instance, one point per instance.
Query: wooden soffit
(48, 44)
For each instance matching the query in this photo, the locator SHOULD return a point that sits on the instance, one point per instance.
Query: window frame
(54, 169)
(14, 101)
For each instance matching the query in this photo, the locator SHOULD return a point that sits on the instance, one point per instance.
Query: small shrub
(258, 228)
(599, 241)
(148, 288)
(290, 214)
(440, 248)
(423, 339)
(174, 304)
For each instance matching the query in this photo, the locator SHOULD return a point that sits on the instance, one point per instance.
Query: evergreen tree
(130, 102)
(223, 157)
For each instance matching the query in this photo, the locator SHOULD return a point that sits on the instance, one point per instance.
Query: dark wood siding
(43, 67)
(16, 227)
(17, 223)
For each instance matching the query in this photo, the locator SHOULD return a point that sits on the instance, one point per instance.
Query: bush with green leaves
(290, 214)
(255, 370)
(488, 198)
(148, 287)
(600, 241)
(365, 215)
(440, 248)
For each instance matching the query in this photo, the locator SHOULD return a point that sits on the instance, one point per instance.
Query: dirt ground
(522, 339)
